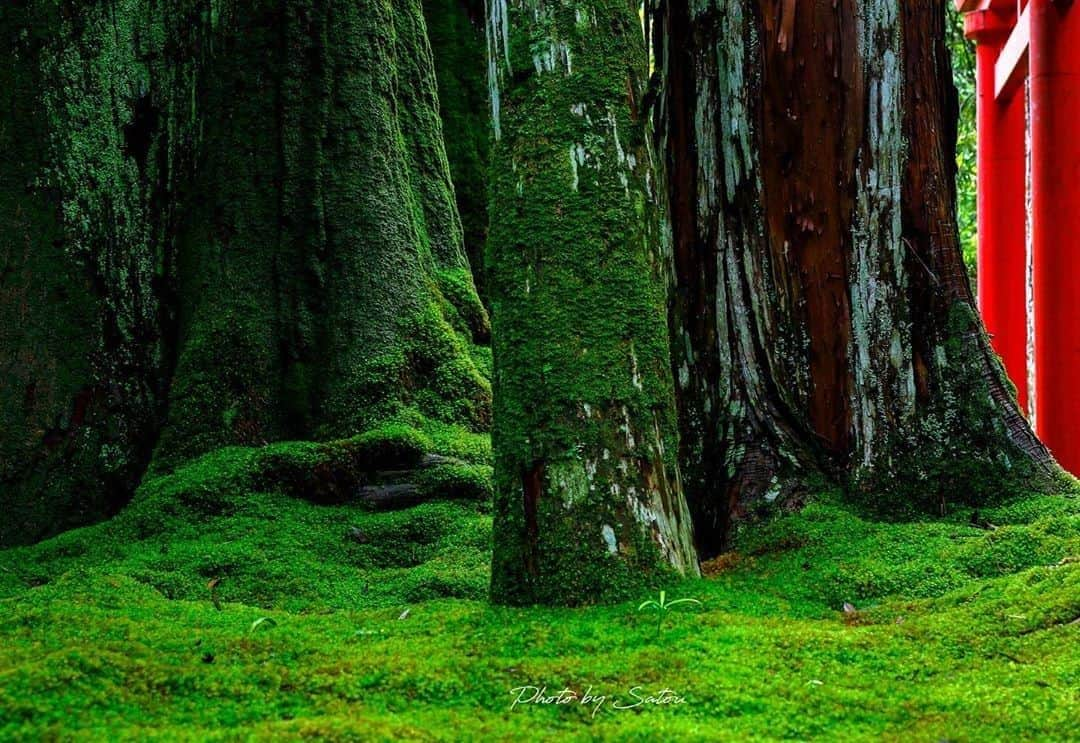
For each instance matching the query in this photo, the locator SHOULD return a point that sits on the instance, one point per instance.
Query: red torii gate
(1029, 204)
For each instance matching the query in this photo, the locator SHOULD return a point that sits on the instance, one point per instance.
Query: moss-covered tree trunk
(322, 279)
(823, 324)
(223, 222)
(456, 30)
(589, 504)
(80, 331)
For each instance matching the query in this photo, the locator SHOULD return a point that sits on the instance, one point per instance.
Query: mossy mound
(284, 526)
(960, 628)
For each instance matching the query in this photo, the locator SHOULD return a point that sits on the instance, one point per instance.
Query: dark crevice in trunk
(693, 297)
(532, 486)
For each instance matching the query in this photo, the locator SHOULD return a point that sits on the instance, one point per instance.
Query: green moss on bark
(960, 453)
(228, 223)
(588, 501)
(327, 291)
(456, 31)
(79, 340)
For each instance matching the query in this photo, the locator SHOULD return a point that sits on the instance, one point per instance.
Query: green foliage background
(963, 56)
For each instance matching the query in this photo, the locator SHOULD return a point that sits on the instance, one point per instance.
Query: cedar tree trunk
(823, 325)
(588, 502)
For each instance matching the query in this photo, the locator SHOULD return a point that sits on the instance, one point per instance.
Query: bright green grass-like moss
(960, 633)
(276, 526)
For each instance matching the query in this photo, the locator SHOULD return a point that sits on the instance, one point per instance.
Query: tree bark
(823, 327)
(456, 30)
(588, 501)
(80, 350)
(224, 223)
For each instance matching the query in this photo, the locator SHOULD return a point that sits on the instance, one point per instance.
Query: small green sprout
(663, 606)
(262, 622)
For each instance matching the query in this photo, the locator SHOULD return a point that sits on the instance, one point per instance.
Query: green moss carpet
(223, 605)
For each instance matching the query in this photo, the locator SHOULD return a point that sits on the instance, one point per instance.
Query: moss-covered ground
(964, 627)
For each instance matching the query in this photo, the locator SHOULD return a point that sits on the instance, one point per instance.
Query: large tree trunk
(321, 260)
(80, 350)
(823, 324)
(588, 503)
(223, 223)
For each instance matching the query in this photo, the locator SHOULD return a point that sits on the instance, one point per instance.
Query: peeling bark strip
(883, 399)
(739, 350)
(588, 503)
(821, 320)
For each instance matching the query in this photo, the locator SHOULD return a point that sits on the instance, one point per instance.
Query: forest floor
(334, 622)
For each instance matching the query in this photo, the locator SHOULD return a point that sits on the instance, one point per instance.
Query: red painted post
(1002, 209)
(1055, 228)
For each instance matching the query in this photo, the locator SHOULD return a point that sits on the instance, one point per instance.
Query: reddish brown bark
(937, 273)
(822, 321)
(810, 98)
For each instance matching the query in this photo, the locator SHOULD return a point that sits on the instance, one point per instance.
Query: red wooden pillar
(1002, 208)
(1055, 230)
